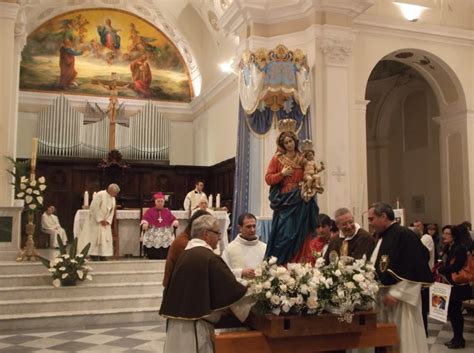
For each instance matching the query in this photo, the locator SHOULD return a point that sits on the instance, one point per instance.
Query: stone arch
(449, 115)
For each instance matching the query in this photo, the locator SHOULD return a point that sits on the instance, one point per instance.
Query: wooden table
(383, 336)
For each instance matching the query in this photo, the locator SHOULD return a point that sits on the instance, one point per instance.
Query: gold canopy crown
(285, 125)
(306, 145)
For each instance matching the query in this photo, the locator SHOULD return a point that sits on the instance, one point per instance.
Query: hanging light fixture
(410, 11)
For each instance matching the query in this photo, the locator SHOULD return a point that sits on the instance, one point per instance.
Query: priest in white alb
(245, 253)
(50, 224)
(97, 228)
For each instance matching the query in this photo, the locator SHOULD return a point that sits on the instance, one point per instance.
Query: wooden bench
(384, 336)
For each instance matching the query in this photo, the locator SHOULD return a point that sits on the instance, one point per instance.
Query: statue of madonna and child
(293, 177)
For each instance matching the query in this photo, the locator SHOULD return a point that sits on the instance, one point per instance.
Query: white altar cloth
(129, 228)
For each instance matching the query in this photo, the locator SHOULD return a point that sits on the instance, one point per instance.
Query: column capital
(8, 10)
(336, 46)
(20, 30)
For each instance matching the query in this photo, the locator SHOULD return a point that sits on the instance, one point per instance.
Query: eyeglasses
(214, 231)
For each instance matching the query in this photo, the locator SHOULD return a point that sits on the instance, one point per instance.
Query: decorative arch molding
(146, 9)
(439, 75)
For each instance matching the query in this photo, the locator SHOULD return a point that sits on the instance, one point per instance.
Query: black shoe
(456, 344)
(449, 342)
(103, 258)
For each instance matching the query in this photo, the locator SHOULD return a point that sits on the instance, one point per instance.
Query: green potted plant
(68, 267)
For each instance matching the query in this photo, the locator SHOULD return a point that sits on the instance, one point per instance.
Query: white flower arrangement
(340, 287)
(32, 192)
(68, 267)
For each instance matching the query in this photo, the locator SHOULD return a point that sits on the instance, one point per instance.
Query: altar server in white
(191, 201)
(97, 228)
(246, 251)
(50, 224)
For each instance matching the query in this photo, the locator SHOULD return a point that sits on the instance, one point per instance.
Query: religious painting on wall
(77, 52)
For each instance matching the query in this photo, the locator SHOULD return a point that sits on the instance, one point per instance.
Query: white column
(456, 163)
(336, 47)
(12, 40)
(470, 150)
(358, 162)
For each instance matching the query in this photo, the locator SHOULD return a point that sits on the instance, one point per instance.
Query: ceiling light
(411, 12)
(227, 66)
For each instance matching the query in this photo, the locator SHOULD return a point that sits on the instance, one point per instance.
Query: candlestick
(86, 199)
(218, 201)
(210, 201)
(34, 152)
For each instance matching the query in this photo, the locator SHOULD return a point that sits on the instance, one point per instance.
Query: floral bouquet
(284, 290)
(340, 287)
(349, 284)
(32, 192)
(67, 268)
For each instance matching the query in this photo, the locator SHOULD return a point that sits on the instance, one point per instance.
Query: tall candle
(218, 201)
(86, 198)
(34, 152)
(210, 201)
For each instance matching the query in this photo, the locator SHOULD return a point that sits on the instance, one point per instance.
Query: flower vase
(68, 282)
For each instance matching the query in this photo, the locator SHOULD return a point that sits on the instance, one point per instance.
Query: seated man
(50, 224)
(245, 252)
(352, 241)
(203, 205)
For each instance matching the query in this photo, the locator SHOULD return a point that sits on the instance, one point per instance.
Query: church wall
(204, 47)
(27, 123)
(181, 143)
(215, 130)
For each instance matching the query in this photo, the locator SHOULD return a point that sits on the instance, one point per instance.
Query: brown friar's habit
(363, 243)
(200, 284)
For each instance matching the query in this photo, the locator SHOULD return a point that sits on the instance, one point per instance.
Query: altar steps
(120, 292)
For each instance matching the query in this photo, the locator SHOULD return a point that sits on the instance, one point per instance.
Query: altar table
(129, 228)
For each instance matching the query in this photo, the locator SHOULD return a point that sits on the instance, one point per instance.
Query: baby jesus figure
(311, 183)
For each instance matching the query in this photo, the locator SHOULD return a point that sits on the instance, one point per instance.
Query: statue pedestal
(10, 232)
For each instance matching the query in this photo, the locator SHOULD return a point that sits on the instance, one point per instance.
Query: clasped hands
(287, 171)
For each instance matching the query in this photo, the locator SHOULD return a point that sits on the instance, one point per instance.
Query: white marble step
(36, 267)
(83, 318)
(75, 304)
(98, 276)
(91, 289)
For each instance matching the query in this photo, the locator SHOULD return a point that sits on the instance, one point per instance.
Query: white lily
(40, 199)
(20, 195)
(29, 191)
(32, 206)
(57, 283)
(42, 187)
(28, 199)
(33, 183)
(42, 180)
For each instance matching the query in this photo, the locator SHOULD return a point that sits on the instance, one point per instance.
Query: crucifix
(113, 86)
(338, 173)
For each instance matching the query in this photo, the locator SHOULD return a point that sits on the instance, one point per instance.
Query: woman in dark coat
(454, 258)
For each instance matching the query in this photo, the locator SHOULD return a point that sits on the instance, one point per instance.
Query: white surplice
(100, 236)
(241, 254)
(50, 224)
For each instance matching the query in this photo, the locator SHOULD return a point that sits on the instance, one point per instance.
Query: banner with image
(439, 301)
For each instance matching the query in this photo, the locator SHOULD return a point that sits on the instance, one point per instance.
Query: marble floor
(150, 337)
